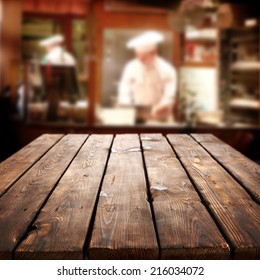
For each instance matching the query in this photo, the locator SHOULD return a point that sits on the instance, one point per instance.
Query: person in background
(58, 83)
(148, 80)
(55, 54)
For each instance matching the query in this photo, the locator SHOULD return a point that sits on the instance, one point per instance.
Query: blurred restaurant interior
(212, 44)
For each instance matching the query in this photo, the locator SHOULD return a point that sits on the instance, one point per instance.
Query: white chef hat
(56, 39)
(146, 41)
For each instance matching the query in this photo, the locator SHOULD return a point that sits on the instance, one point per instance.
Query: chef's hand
(160, 112)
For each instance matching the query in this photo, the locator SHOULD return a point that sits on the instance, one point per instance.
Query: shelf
(205, 34)
(246, 66)
(244, 40)
(245, 28)
(245, 78)
(199, 64)
(200, 41)
(244, 103)
(240, 70)
(244, 125)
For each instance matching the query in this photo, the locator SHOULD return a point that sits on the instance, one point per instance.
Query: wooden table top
(129, 196)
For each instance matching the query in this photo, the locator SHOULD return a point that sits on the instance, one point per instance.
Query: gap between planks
(150, 199)
(66, 216)
(238, 248)
(213, 247)
(34, 218)
(19, 176)
(94, 212)
(125, 200)
(203, 200)
(253, 195)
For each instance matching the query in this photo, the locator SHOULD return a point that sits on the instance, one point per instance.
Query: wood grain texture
(231, 206)
(151, 142)
(245, 171)
(185, 146)
(21, 203)
(206, 137)
(15, 166)
(63, 223)
(216, 147)
(201, 199)
(123, 227)
(185, 228)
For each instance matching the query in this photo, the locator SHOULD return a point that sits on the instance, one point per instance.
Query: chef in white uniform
(148, 80)
(56, 55)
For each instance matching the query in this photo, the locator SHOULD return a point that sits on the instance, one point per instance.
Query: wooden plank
(185, 146)
(20, 205)
(152, 141)
(205, 137)
(235, 212)
(63, 223)
(123, 227)
(245, 171)
(185, 228)
(216, 147)
(15, 166)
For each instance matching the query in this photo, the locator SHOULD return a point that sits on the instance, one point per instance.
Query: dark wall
(8, 138)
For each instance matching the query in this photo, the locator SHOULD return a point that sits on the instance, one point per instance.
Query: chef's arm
(124, 91)
(169, 90)
(167, 101)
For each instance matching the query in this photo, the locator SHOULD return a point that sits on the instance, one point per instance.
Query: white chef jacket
(58, 56)
(150, 85)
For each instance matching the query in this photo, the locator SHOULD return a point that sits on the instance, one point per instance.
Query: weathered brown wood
(63, 223)
(15, 166)
(185, 146)
(245, 171)
(185, 228)
(123, 227)
(235, 212)
(206, 137)
(54, 184)
(21, 203)
(151, 142)
(216, 147)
